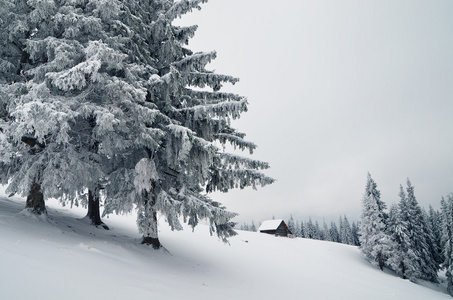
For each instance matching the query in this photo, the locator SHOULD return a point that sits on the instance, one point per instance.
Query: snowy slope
(61, 257)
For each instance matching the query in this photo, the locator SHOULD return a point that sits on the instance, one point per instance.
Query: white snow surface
(270, 224)
(62, 257)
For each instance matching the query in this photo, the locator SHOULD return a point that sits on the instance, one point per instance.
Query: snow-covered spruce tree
(447, 239)
(297, 227)
(291, 224)
(420, 237)
(346, 231)
(435, 224)
(185, 160)
(412, 255)
(320, 234)
(341, 230)
(253, 227)
(334, 234)
(355, 234)
(402, 258)
(303, 229)
(316, 230)
(432, 243)
(374, 241)
(310, 229)
(325, 231)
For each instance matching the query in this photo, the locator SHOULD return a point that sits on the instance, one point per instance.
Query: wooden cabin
(276, 227)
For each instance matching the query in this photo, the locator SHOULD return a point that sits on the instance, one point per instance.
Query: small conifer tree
(374, 241)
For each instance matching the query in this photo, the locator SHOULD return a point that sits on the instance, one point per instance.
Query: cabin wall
(281, 230)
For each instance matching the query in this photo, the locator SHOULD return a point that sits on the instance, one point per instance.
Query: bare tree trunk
(35, 200)
(93, 210)
(152, 237)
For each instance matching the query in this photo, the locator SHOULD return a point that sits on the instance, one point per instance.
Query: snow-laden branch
(183, 34)
(209, 97)
(236, 141)
(202, 79)
(182, 7)
(195, 62)
(225, 179)
(239, 162)
(231, 109)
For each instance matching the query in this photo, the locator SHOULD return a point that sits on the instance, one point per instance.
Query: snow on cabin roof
(270, 224)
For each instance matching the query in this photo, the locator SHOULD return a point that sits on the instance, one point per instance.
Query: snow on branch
(182, 7)
(183, 34)
(149, 138)
(170, 208)
(236, 141)
(75, 24)
(213, 97)
(180, 143)
(120, 191)
(196, 206)
(42, 119)
(231, 109)
(201, 79)
(42, 9)
(238, 162)
(76, 77)
(225, 179)
(195, 62)
(107, 9)
(146, 174)
(60, 54)
(97, 54)
(6, 66)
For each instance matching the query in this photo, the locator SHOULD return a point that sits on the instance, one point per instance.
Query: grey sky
(337, 89)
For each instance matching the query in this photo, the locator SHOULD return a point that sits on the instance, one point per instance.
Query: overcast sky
(337, 89)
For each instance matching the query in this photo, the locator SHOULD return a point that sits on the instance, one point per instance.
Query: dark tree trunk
(94, 211)
(152, 238)
(147, 240)
(35, 200)
(403, 270)
(381, 262)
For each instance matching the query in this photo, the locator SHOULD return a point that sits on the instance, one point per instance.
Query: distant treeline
(344, 232)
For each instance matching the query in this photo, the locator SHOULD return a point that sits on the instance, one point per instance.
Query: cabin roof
(270, 224)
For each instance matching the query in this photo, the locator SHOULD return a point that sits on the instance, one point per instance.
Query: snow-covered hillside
(61, 257)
